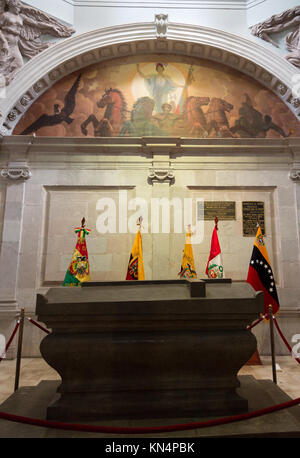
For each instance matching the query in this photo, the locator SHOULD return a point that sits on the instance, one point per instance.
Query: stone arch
(65, 57)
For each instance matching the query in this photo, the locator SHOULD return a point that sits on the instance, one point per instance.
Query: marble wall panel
(108, 252)
(236, 249)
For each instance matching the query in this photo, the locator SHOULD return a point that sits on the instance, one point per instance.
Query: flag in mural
(135, 270)
(214, 267)
(79, 269)
(260, 274)
(187, 264)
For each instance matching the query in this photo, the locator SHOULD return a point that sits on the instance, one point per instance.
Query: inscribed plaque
(253, 213)
(224, 210)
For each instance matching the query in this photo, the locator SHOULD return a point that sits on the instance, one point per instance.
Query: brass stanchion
(272, 344)
(19, 353)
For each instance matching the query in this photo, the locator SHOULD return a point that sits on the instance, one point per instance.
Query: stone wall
(49, 184)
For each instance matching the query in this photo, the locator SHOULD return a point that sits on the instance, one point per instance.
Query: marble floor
(34, 370)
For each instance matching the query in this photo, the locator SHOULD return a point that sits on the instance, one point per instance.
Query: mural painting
(159, 96)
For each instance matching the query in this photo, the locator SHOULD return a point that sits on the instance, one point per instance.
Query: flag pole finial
(83, 222)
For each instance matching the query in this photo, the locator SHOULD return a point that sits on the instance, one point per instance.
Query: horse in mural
(216, 117)
(197, 123)
(114, 116)
(141, 122)
(193, 121)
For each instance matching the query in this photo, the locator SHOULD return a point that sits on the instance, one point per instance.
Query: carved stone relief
(279, 23)
(16, 171)
(295, 175)
(21, 27)
(161, 176)
(161, 23)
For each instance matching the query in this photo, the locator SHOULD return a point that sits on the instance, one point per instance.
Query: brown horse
(114, 115)
(216, 117)
(193, 121)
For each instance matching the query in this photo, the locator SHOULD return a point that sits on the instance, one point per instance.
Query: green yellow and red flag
(79, 268)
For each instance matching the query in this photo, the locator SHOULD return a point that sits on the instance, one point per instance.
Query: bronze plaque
(224, 210)
(253, 213)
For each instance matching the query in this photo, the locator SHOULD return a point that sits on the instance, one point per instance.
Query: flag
(187, 265)
(260, 274)
(79, 269)
(184, 95)
(135, 270)
(214, 267)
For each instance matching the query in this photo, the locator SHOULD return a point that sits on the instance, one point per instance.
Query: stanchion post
(272, 344)
(19, 353)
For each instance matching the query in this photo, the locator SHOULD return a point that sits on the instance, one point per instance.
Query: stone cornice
(85, 153)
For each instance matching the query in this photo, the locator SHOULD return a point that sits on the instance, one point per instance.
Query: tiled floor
(34, 370)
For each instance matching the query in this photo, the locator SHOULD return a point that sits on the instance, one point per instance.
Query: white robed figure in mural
(160, 86)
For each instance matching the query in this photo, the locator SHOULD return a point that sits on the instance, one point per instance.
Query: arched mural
(159, 95)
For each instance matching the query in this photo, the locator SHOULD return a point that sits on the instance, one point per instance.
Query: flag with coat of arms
(187, 269)
(135, 270)
(260, 273)
(79, 268)
(214, 267)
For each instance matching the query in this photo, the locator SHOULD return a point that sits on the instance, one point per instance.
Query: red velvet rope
(10, 340)
(284, 339)
(255, 323)
(145, 430)
(38, 325)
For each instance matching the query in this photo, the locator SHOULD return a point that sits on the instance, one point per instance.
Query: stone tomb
(148, 349)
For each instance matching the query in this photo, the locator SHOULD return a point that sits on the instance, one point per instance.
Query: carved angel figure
(21, 27)
(289, 19)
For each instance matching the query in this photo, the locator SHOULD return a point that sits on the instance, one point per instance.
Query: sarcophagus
(148, 349)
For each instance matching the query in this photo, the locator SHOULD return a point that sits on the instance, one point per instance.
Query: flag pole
(272, 344)
(19, 352)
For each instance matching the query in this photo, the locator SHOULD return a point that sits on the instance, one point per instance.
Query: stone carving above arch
(26, 24)
(278, 23)
(21, 96)
(16, 171)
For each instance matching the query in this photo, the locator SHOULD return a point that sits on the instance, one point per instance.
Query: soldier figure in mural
(166, 119)
(141, 120)
(252, 123)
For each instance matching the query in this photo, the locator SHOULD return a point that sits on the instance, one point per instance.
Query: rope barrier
(285, 341)
(38, 325)
(256, 322)
(145, 430)
(10, 340)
